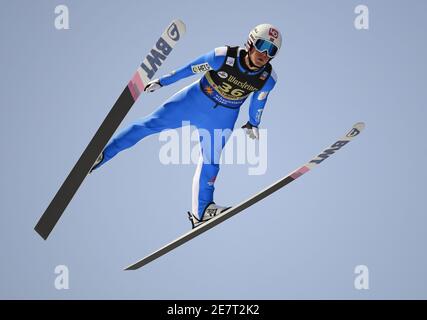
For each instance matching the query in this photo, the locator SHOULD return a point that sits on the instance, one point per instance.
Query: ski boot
(212, 210)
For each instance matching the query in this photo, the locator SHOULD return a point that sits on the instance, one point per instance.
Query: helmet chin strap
(251, 64)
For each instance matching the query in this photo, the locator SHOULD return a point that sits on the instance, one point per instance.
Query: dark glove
(251, 131)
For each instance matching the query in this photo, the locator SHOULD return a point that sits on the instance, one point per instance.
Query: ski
(130, 94)
(355, 130)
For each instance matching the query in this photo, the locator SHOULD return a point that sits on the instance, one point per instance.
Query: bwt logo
(173, 32)
(335, 147)
(159, 53)
(354, 132)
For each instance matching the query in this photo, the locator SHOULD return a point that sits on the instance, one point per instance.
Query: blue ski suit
(212, 102)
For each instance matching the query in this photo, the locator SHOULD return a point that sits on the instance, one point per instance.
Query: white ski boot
(98, 161)
(212, 210)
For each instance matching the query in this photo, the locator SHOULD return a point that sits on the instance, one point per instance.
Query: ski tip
(359, 126)
(180, 24)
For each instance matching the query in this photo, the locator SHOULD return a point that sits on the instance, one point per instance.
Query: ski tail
(355, 131)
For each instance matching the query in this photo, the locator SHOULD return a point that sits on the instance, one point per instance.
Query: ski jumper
(213, 102)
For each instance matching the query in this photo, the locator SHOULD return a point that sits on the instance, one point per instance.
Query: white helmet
(271, 39)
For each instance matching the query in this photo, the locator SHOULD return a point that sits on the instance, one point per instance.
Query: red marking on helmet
(273, 32)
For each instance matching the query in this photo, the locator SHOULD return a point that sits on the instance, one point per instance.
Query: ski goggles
(267, 46)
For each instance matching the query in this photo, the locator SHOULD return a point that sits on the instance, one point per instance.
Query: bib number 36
(227, 88)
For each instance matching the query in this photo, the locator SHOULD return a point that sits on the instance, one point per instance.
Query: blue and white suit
(193, 104)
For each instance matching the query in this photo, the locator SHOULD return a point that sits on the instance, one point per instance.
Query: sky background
(364, 206)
